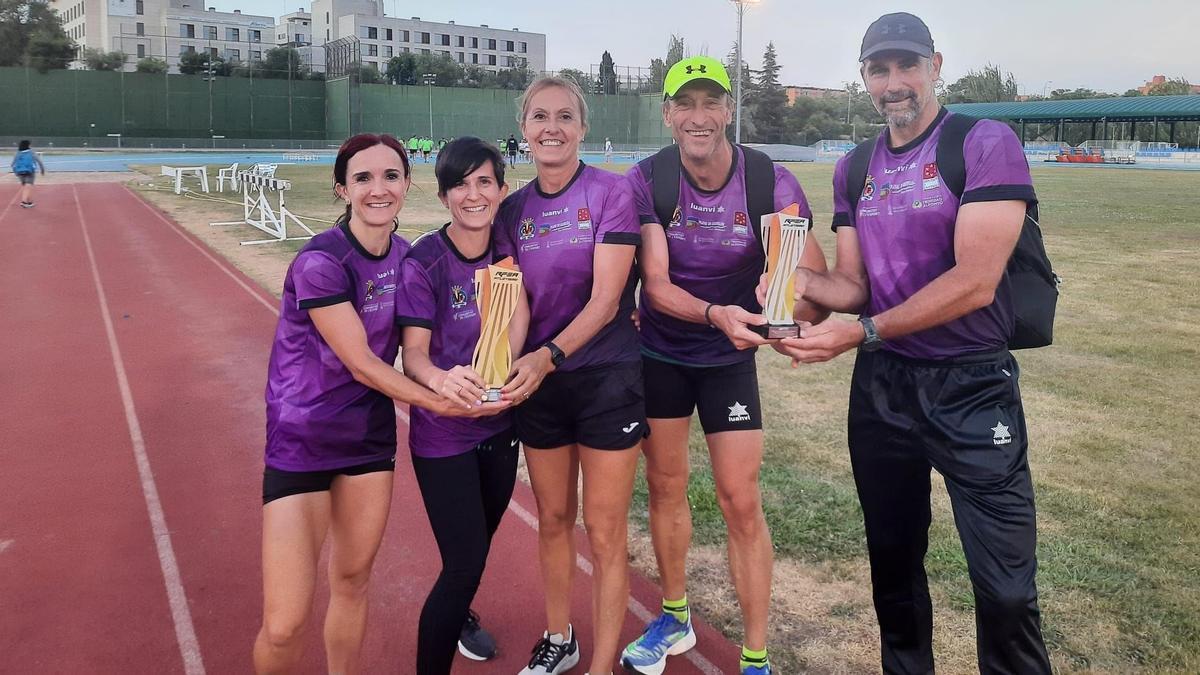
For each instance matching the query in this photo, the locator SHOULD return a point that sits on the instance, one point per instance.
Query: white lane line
(10, 204)
(185, 632)
(637, 608)
(204, 251)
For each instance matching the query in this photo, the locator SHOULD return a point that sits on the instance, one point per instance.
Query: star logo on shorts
(1000, 435)
(738, 413)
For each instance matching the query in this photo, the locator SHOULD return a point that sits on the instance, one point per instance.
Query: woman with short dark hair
(465, 468)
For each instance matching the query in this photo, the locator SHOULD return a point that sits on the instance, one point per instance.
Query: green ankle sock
(676, 608)
(751, 657)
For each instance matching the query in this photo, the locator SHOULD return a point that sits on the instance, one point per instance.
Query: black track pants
(465, 497)
(963, 418)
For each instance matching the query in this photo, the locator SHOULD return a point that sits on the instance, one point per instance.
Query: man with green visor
(699, 202)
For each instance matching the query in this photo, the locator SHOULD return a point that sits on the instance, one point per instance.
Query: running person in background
(511, 146)
(699, 273)
(414, 146)
(465, 467)
(574, 231)
(331, 420)
(934, 386)
(426, 148)
(25, 165)
(523, 146)
(608, 151)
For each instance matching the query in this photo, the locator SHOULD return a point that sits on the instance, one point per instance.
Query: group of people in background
(604, 376)
(423, 146)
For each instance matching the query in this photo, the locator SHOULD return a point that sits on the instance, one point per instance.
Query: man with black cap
(699, 202)
(921, 254)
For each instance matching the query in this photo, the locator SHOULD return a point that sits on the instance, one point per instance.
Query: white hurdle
(258, 212)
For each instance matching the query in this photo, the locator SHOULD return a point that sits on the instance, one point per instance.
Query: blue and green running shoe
(665, 636)
(757, 670)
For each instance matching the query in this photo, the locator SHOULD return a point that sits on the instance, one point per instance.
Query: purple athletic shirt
(905, 225)
(553, 239)
(714, 254)
(439, 294)
(318, 416)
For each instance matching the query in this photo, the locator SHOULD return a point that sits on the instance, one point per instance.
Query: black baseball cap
(900, 32)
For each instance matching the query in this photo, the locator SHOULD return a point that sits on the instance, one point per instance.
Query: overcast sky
(1099, 44)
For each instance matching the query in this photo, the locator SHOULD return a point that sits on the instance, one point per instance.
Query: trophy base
(491, 395)
(777, 331)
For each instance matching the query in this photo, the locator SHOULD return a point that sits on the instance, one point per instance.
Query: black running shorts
(725, 396)
(601, 407)
(278, 483)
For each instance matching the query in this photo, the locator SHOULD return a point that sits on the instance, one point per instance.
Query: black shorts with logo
(602, 407)
(278, 483)
(725, 396)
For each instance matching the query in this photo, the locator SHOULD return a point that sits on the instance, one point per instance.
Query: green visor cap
(692, 69)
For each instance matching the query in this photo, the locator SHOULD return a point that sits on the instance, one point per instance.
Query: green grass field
(1112, 421)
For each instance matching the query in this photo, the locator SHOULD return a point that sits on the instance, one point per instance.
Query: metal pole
(431, 110)
(737, 125)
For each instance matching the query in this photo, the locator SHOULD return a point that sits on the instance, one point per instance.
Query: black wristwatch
(556, 355)
(871, 340)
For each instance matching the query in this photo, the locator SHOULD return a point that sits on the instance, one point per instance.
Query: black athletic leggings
(465, 497)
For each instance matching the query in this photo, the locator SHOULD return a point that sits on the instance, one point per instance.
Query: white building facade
(167, 29)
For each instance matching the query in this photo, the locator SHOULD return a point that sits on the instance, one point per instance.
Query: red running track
(131, 430)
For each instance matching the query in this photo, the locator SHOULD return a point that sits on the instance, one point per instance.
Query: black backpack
(1032, 281)
(760, 184)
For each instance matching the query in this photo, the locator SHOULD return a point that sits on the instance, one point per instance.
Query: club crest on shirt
(868, 192)
(526, 229)
(584, 218)
(884, 191)
(676, 217)
(929, 176)
(458, 297)
(370, 289)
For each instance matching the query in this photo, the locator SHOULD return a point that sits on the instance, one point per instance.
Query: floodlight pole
(737, 124)
(430, 78)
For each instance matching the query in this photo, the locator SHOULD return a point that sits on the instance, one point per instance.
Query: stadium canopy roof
(1122, 109)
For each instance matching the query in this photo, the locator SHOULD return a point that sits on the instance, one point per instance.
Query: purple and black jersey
(553, 239)
(905, 224)
(318, 416)
(439, 294)
(714, 254)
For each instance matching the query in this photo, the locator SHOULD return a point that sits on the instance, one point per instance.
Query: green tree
(577, 76)
(769, 101)
(514, 78)
(31, 34)
(983, 86)
(675, 52)
(1132, 92)
(192, 63)
(608, 74)
(1175, 86)
(98, 59)
(658, 73)
(368, 74)
(402, 69)
(281, 63)
(1076, 94)
(152, 65)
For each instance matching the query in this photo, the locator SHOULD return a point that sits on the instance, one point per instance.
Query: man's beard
(903, 117)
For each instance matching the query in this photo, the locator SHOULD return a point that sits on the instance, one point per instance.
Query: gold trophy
(783, 236)
(497, 291)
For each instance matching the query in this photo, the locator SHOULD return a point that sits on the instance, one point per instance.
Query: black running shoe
(552, 658)
(474, 642)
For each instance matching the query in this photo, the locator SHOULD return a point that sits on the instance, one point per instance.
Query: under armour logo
(697, 69)
(900, 28)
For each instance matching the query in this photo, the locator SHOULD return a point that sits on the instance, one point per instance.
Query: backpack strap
(760, 184)
(665, 168)
(856, 176)
(951, 164)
